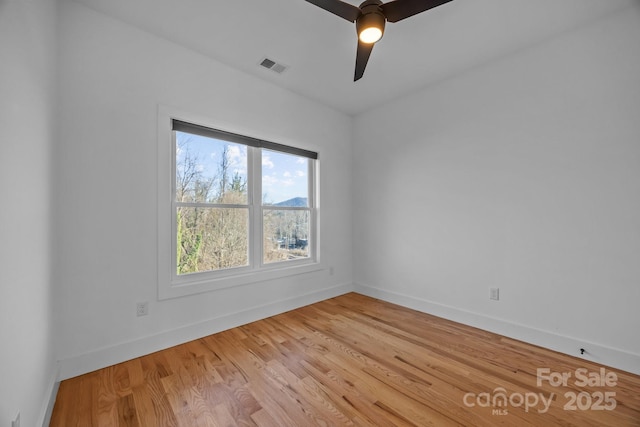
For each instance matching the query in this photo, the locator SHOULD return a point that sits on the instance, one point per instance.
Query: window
(211, 204)
(286, 213)
(242, 210)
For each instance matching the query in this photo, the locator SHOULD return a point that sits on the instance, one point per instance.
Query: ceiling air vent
(273, 65)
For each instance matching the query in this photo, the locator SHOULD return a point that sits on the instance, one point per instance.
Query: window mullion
(211, 205)
(255, 195)
(312, 203)
(174, 207)
(285, 208)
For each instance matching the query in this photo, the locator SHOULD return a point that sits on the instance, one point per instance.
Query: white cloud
(287, 174)
(300, 173)
(301, 161)
(235, 155)
(269, 180)
(266, 161)
(274, 181)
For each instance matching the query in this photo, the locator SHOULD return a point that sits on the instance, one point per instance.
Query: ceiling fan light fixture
(370, 18)
(370, 35)
(370, 27)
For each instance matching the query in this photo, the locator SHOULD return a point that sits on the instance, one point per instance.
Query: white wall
(523, 174)
(27, 82)
(113, 77)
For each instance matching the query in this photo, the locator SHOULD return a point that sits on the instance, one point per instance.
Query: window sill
(208, 284)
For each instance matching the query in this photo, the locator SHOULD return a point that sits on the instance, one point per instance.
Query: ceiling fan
(370, 19)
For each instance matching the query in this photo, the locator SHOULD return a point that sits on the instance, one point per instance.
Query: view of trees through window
(214, 209)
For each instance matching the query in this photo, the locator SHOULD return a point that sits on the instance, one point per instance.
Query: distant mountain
(296, 202)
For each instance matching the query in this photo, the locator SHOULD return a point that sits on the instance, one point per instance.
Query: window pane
(210, 170)
(285, 180)
(286, 234)
(211, 239)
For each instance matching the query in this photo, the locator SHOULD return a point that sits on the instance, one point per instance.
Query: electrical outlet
(142, 309)
(16, 421)
(494, 294)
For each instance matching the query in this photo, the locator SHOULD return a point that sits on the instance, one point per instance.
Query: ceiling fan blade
(340, 8)
(362, 57)
(400, 9)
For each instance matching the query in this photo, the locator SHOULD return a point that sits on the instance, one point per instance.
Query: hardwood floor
(353, 361)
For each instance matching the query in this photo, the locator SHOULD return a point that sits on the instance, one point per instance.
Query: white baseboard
(51, 392)
(82, 364)
(597, 353)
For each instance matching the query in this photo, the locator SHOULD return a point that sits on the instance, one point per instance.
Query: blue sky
(284, 176)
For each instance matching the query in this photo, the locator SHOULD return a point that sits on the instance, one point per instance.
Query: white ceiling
(319, 47)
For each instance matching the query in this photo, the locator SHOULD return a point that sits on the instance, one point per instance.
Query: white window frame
(172, 285)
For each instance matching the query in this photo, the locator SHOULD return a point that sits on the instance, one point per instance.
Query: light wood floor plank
(347, 361)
